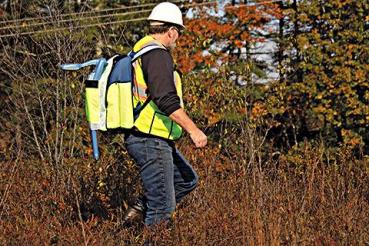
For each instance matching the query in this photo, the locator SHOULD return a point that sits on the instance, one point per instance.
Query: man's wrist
(192, 130)
(181, 118)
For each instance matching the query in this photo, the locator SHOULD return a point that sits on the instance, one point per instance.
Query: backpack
(108, 93)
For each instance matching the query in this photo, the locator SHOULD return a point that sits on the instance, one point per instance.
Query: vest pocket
(119, 111)
(126, 105)
(92, 102)
(163, 126)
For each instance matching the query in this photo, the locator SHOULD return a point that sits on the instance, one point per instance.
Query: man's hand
(199, 138)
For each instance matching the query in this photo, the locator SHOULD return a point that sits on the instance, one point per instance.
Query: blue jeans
(166, 175)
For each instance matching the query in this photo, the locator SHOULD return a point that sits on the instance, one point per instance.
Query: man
(166, 175)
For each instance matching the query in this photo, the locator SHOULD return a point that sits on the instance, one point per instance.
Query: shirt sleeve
(157, 67)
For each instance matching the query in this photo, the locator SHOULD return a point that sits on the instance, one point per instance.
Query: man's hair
(159, 29)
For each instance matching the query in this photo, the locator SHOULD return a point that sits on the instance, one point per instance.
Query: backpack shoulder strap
(135, 55)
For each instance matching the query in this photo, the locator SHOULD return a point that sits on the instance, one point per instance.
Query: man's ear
(170, 33)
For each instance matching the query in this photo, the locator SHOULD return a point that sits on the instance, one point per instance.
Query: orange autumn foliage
(208, 32)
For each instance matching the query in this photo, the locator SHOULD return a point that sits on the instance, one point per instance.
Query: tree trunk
(281, 45)
(299, 73)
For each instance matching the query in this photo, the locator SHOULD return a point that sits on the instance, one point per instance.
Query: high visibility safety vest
(151, 120)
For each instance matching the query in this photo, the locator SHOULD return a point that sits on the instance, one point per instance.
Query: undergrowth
(322, 199)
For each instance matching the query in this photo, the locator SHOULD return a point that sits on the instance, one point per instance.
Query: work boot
(135, 214)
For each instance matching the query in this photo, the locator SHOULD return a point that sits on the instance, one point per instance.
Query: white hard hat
(167, 12)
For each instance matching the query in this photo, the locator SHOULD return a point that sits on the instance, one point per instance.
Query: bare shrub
(44, 110)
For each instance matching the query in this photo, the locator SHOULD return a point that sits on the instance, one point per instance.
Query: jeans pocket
(131, 139)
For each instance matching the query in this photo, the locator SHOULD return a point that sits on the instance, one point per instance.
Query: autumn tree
(215, 55)
(325, 90)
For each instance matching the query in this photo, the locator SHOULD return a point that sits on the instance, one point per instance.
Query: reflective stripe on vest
(139, 89)
(151, 120)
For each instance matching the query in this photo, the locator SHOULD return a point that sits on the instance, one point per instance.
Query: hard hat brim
(154, 22)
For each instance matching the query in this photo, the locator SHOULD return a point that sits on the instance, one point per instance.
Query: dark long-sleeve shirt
(157, 67)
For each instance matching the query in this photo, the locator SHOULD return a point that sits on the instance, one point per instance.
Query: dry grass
(279, 203)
